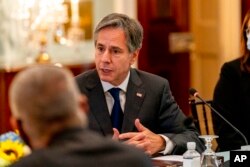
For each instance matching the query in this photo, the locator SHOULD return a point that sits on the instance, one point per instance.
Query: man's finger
(128, 135)
(139, 126)
(116, 134)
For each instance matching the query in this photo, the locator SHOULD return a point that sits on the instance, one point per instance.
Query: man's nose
(106, 57)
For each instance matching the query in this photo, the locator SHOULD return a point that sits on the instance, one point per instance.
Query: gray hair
(132, 29)
(45, 94)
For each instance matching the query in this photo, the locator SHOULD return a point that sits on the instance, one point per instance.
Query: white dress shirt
(109, 99)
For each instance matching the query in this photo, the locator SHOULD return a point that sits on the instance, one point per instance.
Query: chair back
(202, 116)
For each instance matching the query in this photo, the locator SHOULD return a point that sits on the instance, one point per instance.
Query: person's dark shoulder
(147, 77)
(233, 65)
(231, 69)
(81, 151)
(117, 152)
(87, 80)
(85, 75)
(130, 156)
(34, 159)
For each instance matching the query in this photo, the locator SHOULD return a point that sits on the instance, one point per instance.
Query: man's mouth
(105, 70)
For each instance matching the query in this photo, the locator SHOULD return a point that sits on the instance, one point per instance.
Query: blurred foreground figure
(49, 111)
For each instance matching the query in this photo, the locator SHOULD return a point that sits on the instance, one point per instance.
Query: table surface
(177, 160)
(225, 154)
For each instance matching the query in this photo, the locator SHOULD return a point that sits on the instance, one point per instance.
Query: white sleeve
(169, 145)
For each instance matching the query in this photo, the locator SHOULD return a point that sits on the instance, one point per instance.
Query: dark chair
(202, 116)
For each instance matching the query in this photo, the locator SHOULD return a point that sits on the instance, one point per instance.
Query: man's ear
(134, 56)
(17, 126)
(13, 123)
(83, 102)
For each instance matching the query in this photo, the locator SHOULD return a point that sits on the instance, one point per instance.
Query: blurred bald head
(46, 99)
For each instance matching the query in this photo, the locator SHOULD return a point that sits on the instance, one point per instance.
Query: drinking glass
(208, 157)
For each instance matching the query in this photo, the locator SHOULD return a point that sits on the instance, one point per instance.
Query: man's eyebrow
(99, 44)
(111, 47)
(116, 47)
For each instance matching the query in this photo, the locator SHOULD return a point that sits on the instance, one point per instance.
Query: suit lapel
(98, 105)
(134, 99)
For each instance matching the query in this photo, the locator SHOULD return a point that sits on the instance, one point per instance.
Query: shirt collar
(123, 86)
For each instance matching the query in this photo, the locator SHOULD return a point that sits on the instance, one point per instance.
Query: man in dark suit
(150, 118)
(49, 111)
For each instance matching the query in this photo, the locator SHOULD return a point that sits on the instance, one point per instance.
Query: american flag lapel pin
(139, 94)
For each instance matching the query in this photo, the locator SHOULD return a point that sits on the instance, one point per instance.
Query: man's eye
(116, 51)
(100, 49)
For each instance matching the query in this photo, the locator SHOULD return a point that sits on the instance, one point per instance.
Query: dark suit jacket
(232, 100)
(148, 98)
(79, 148)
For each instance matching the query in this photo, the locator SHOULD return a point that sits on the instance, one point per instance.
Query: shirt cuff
(169, 145)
